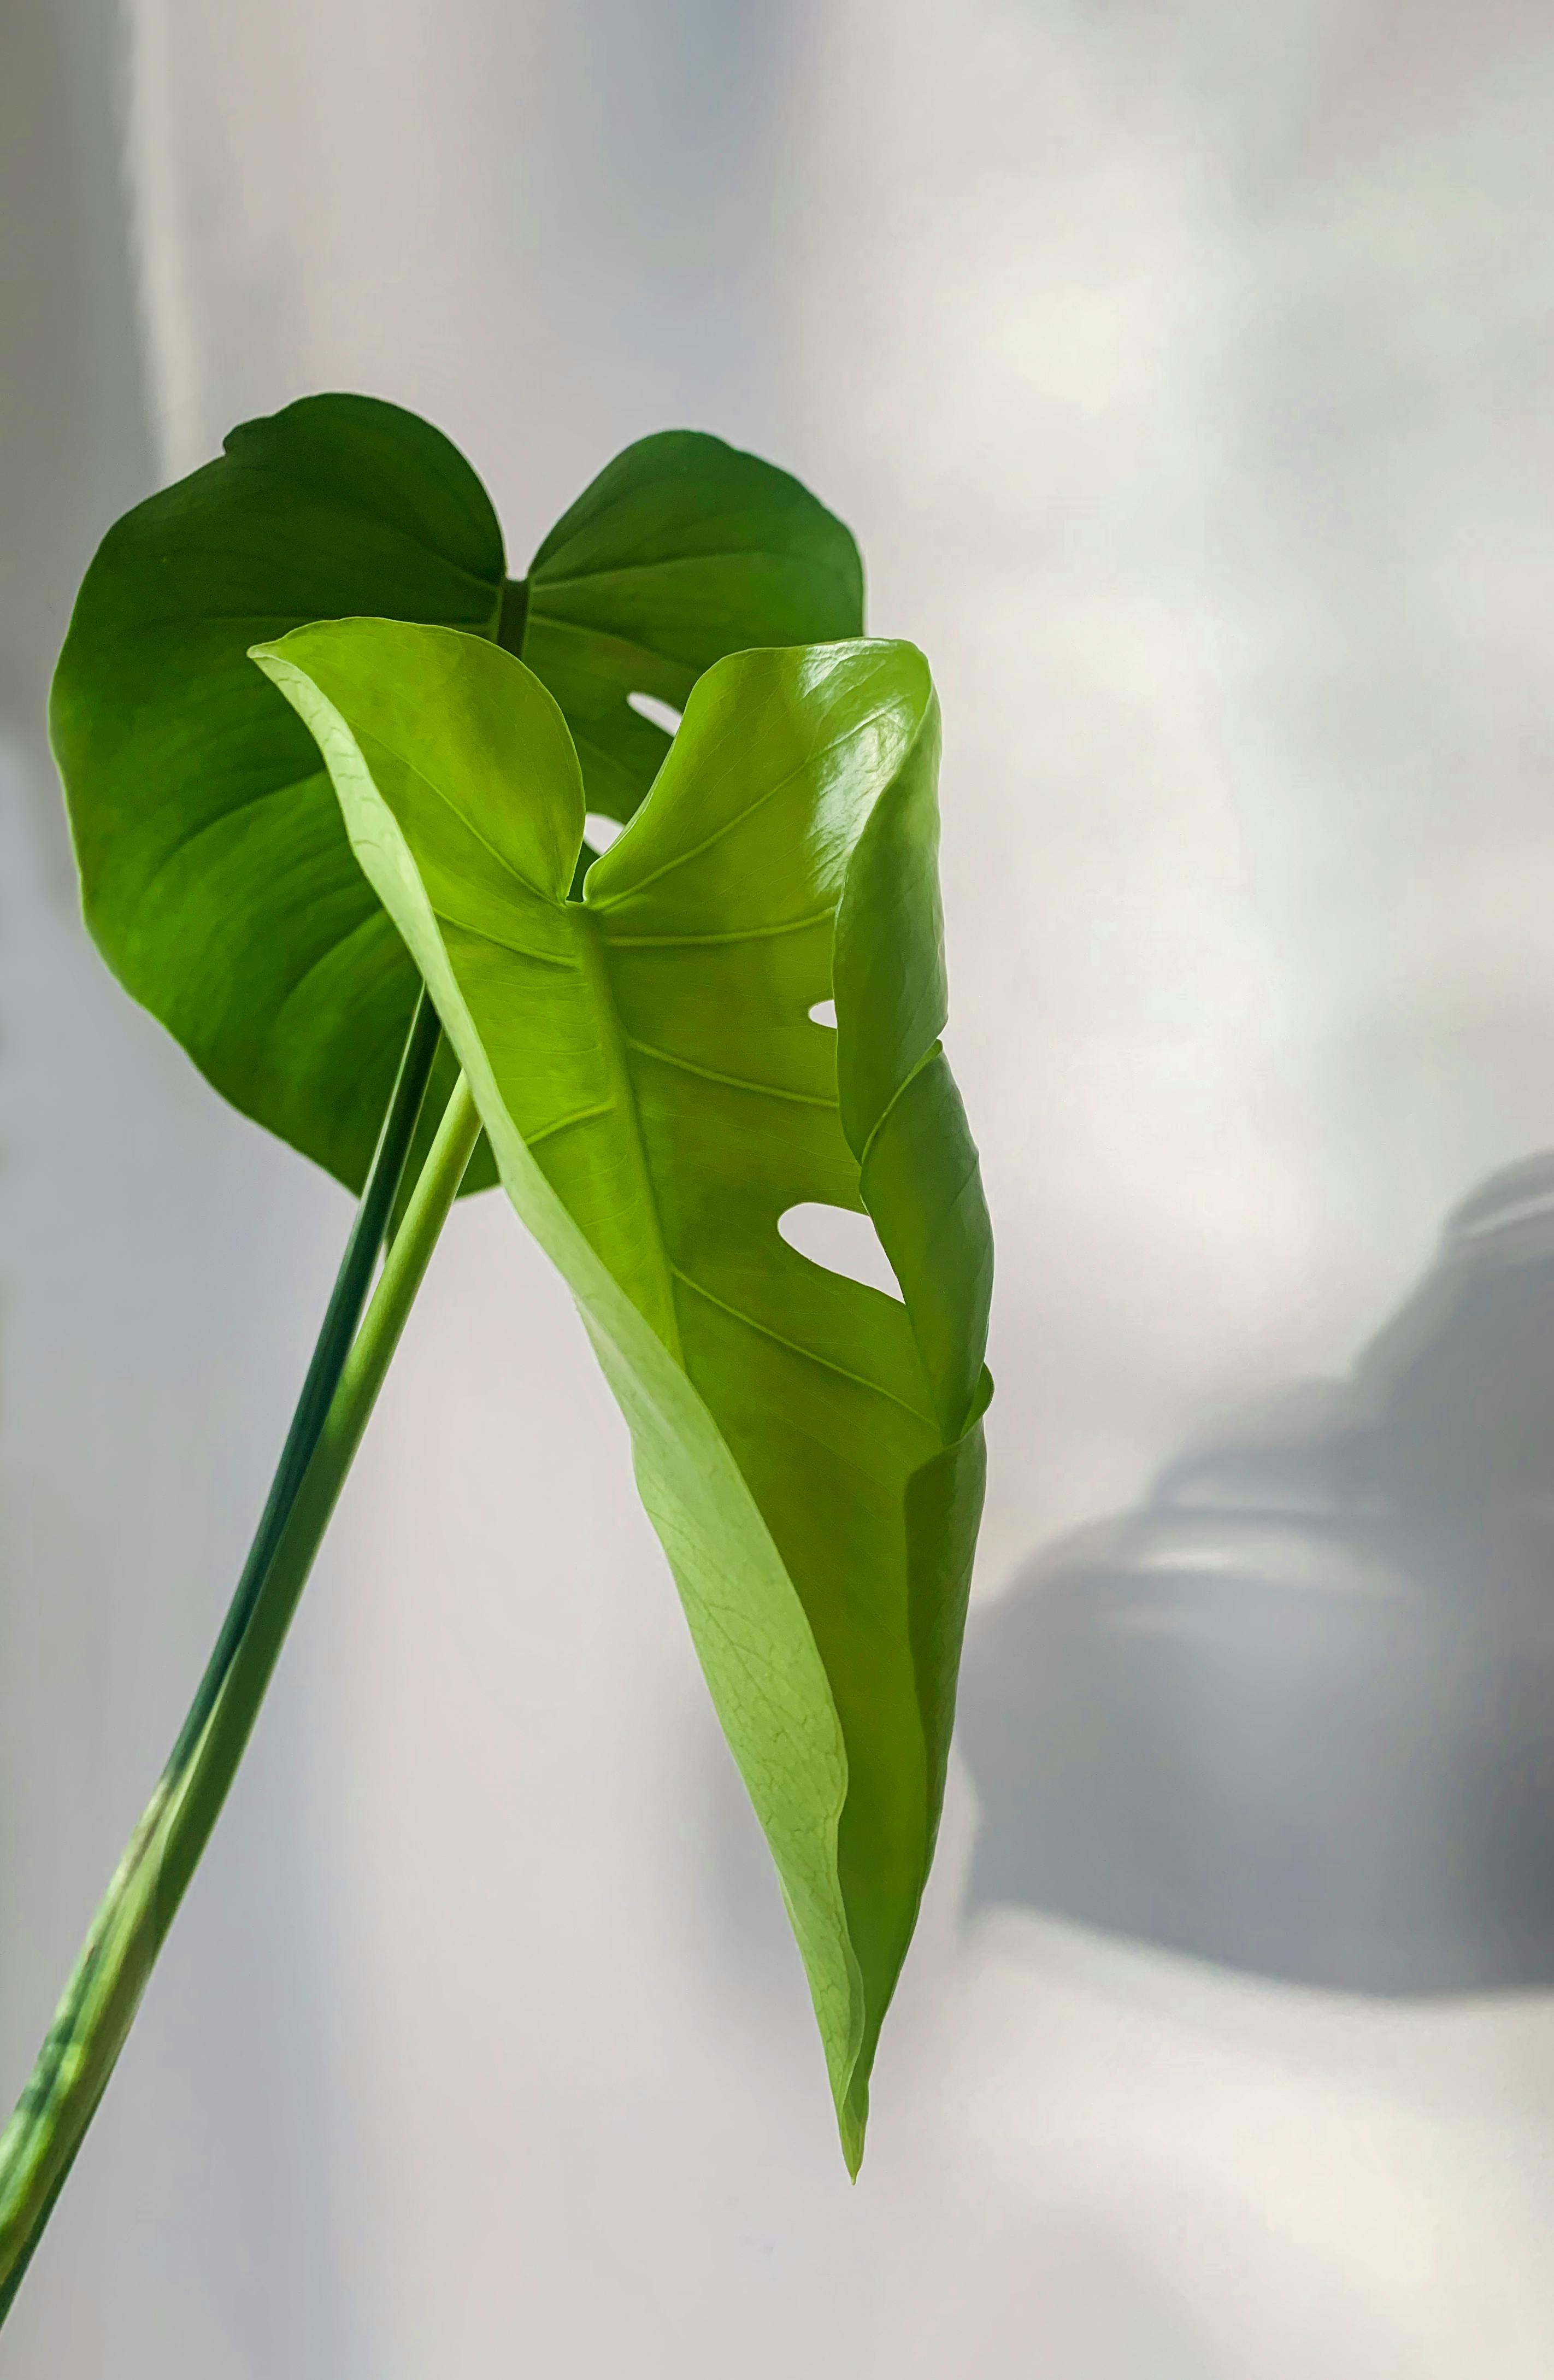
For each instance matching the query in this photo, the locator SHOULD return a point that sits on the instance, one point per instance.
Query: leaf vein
(582, 1115)
(730, 826)
(794, 1347)
(221, 818)
(705, 941)
(733, 1082)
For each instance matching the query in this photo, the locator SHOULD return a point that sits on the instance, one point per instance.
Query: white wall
(1183, 374)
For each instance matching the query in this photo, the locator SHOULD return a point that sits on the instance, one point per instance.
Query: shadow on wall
(1296, 1713)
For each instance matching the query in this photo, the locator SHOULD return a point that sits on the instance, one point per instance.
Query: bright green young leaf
(657, 1096)
(216, 877)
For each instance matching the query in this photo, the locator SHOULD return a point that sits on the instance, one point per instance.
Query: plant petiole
(94, 2015)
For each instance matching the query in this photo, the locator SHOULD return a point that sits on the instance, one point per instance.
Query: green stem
(93, 2018)
(335, 1333)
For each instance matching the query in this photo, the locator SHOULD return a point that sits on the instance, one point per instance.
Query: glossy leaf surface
(809, 1450)
(216, 875)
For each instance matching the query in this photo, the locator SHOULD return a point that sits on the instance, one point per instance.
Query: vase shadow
(1294, 1713)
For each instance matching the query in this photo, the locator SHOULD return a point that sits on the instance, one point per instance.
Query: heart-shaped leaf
(216, 877)
(658, 1096)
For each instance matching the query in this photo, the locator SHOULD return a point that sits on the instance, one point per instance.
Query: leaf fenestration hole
(840, 1241)
(824, 1013)
(659, 714)
(599, 831)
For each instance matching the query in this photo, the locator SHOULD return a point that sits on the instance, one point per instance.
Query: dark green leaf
(657, 1096)
(682, 551)
(216, 875)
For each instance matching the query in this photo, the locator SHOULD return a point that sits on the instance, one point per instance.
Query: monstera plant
(329, 772)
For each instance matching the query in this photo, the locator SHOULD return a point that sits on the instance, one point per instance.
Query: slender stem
(100, 2001)
(335, 1333)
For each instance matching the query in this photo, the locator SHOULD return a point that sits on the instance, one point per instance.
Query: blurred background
(1184, 376)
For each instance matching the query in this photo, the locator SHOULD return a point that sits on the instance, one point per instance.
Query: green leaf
(215, 873)
(682, 551)
(657, 1096)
